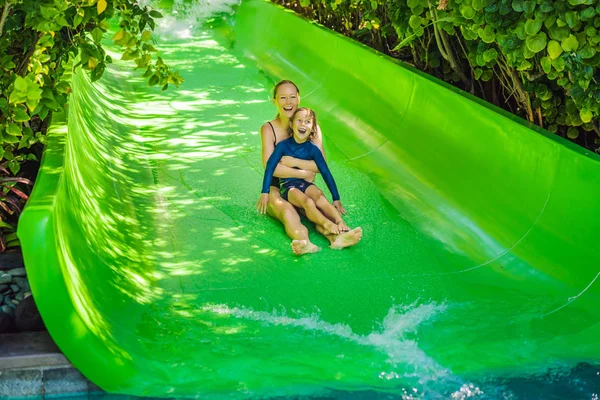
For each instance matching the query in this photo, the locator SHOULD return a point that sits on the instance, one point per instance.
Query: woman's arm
(281, 171)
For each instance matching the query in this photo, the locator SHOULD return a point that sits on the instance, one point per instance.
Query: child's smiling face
(302, 125)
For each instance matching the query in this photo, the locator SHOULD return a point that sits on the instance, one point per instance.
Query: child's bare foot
(347, 239)
(300, 247)
(329, 228)
(343, 227)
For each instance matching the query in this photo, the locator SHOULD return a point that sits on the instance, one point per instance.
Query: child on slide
(299, 192)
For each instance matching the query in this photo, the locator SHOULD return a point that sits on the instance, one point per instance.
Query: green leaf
(570, 44)
(573, 133)
(586, 115)
(97, 34)
(537, 42)
(489, 55)
(525, 65)
(533, 26)
(547, 6)
(14, 167)
(517, 5)
(154, 80)
(147, 35)
(20, 115)
(21, 84)
(572, 18)
(467, 11)
(478, 5)
(554, 49)
(546, 63)
(48, 12)
(487, 34)
(77, 20)
(3, 103)
(155, 14)
(13, 129)
(587, 52)
(529, 6)
(487, 75)
(559, 33)
(588, 14)
(478, 73)
(414, 21)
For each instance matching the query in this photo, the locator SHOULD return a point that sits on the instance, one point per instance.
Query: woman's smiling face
(287, 100)
(302, 125)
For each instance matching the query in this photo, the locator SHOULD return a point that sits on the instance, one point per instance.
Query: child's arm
(325, 172)
(281, 170)
(292, 162)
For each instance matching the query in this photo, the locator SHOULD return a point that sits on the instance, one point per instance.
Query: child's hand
(309, 176)
(288, 161)
(338, 206)
(261, 204)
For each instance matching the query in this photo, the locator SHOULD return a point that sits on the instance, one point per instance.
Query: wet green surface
(155, 275)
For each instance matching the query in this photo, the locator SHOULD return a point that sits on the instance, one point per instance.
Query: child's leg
(299, 199)
(326, 207)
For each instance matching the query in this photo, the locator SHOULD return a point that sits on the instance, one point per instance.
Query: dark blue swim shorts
(299, 184)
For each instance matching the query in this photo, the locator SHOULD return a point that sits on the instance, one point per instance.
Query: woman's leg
(285, 213)
(299, 199)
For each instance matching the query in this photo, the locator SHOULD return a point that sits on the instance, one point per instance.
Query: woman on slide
(286, 98)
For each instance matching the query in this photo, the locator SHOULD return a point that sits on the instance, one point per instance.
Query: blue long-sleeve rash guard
(302, 151)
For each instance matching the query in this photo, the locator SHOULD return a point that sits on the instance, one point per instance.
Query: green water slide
(155, 275)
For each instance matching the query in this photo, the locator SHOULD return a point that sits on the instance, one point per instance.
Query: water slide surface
(156, 277)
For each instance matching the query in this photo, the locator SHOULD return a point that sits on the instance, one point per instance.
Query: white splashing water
(187, 16)
(391, 338)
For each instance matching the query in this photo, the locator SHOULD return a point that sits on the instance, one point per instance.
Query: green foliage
(536, 58)
(37, 42)
(12, 201)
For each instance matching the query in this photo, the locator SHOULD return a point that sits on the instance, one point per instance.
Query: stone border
(31, 365)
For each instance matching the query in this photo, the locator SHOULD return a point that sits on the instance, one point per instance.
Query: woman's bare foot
(347, 239)
(300, 247)
(329, 228)
(343, 227)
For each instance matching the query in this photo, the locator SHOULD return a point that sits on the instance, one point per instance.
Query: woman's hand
(261, 204)
(288, 161)
(338, 206)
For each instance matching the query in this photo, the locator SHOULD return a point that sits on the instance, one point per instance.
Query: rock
(7, 324)
(23, 283)
(7, 309)
(17, 272)
(5, 278)
(1, 299)
(14, 288)
(27, 316)
(15, 302)
(20, 296)
(10, 261)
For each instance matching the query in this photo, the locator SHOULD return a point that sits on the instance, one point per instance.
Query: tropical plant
(37, 41)
(535, 58)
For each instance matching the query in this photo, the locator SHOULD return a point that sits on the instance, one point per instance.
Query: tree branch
(5, 12)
